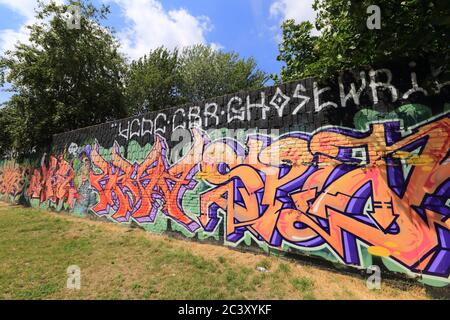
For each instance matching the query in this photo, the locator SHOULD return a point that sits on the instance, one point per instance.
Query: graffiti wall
(356, 173)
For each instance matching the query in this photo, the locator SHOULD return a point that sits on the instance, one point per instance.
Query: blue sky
(249, 27)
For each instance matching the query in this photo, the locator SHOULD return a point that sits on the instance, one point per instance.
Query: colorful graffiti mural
(337, 186)
(380, 191)
(136, 190)
(12, 180)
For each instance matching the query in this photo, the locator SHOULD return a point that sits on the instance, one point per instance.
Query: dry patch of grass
(36, 248)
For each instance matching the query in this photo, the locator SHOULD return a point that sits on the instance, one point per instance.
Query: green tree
(5, 136)
(64, 78)
(152, 82)
(166, 78)
(411, 30)
(207, 73)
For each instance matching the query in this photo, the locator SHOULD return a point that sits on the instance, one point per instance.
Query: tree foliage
(208, 73)
(64, 78)
(152, 82)
(166, 78)
(5, 127)
(411, 30)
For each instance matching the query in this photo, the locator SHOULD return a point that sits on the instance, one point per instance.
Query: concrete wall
(355, 171)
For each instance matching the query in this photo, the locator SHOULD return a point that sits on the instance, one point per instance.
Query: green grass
(36, 248)
(284, 268)
(265, 263)
(305, 286)
(222, 259)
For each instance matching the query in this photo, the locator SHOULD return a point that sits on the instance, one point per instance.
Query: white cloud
(24, 8)
(9, 37)
(299, 10)
(149, 25)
